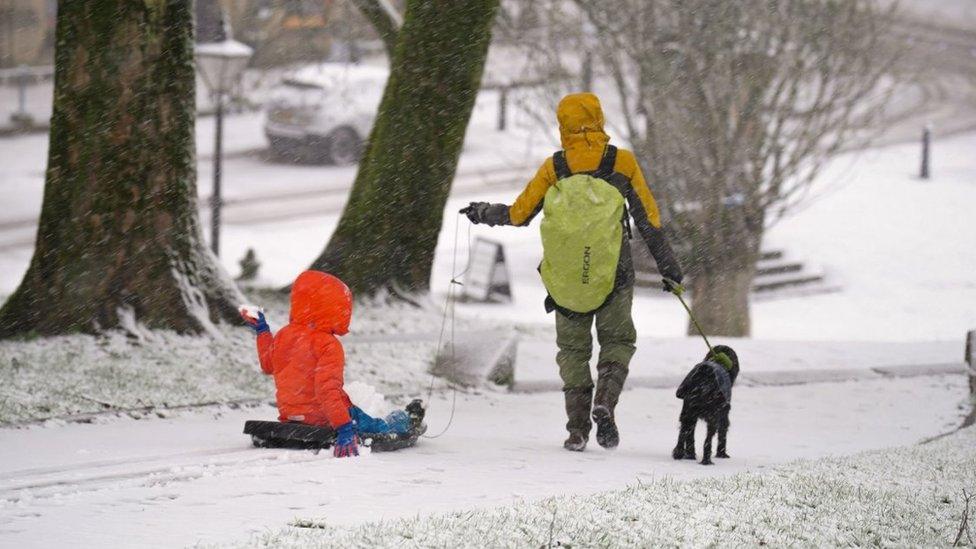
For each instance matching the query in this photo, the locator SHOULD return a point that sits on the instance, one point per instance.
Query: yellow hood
(581, 122)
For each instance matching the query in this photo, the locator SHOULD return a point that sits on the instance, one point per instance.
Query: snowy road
(258, 190)
(194, 478)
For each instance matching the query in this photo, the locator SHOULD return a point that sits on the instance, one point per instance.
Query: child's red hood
(322, 302)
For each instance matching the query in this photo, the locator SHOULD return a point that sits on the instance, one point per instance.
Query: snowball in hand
(250, 311)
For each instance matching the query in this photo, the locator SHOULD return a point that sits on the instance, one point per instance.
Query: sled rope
(449, 311)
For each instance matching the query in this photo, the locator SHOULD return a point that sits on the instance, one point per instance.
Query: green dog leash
(721, 358)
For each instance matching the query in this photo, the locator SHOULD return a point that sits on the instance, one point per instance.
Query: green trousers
(614, 331)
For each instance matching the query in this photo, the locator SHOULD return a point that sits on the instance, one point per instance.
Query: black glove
(487, 214)
(476, 211)
(672, 283)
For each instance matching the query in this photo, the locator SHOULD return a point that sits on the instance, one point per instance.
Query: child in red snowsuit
(307, 361)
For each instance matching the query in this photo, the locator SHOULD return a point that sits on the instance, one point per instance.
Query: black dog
(707, 395)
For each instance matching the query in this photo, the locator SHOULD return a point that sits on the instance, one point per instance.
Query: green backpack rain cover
(581, 238)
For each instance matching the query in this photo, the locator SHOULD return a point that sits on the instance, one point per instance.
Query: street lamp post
(220, 64)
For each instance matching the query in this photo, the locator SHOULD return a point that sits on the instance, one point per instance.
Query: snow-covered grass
(51, 377)
(910, 496)
(91, 485)
(44, 378)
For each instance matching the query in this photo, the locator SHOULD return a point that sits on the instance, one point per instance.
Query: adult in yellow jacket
(585, 148)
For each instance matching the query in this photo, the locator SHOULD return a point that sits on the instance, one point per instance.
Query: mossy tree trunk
(722, 272)
(388, 231)
(119, 242)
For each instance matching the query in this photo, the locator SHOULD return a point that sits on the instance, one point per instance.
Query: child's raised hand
(254, 317)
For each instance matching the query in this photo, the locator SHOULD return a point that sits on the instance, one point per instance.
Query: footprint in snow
(426, 481)
(162, 497)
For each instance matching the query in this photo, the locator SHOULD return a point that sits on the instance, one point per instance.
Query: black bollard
(971, 361)
(502, 108)
(586, 74)
(926, 143)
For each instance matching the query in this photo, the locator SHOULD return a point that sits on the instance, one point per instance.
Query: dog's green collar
(723, 359)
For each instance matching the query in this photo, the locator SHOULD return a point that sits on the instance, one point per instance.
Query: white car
(324, 112)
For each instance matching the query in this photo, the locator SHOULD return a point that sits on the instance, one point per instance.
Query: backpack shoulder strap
(607, 163)
(560, 165)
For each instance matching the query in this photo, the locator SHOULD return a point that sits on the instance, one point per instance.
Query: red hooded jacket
(305, 357)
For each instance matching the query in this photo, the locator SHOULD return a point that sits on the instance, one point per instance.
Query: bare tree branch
(385, 20)
(964, 521)
(734, 107)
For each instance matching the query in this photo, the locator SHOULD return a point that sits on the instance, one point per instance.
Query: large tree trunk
(119, 243)
(722, 268)
(721, 302)
(388, 231)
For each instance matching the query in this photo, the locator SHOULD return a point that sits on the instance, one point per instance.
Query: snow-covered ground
(663, 362)
(44, 378)
(905, 497)
(193, 478)
(952, 13)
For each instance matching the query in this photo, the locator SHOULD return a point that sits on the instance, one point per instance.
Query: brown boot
(578, 401)
(610, 382)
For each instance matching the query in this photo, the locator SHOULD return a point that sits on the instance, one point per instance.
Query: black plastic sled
(275, 434)
(299, 436)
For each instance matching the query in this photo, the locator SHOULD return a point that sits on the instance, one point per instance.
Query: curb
(776, 378)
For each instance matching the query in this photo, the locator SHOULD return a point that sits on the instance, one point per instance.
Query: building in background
(285, 32)
(282, 32)
(26, 32)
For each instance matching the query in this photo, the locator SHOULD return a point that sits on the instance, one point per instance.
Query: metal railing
(21, 77)
(25, 74)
